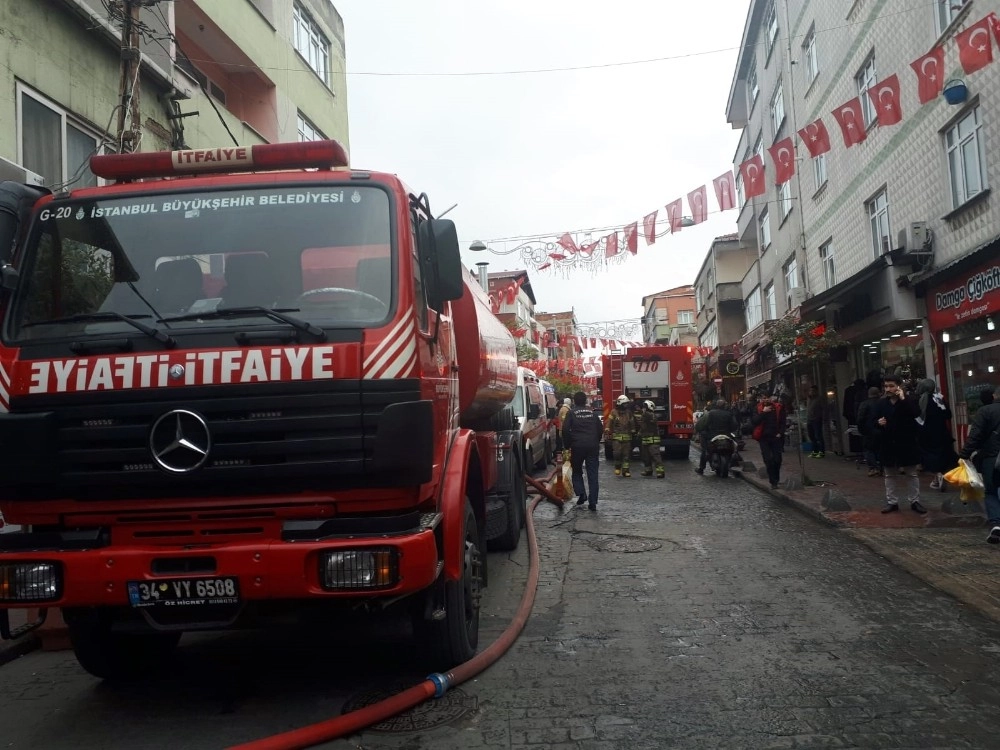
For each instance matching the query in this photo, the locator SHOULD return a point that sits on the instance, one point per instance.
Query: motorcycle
(721, 451)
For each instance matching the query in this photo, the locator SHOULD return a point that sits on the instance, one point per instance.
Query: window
(947, 11)
(308, 131)
(311, 42)
(753, 310)
(785, 198)
(865, 79)
(878, 215)
(819, 170)
(740, 192)
(966, 158)
(791, 273)
(772, 28)
(685, 317)
(765, 230)
(697, 297)
(710, 338)
(52, 144)
(753, 88)
(771, 305)
(777, 110)
(758, 146)
(809, 56)
(826, 261)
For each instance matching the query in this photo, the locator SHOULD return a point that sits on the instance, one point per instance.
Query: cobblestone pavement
(690, 612)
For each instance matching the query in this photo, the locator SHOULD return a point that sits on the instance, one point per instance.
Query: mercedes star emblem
(176, 372)
(180, 441)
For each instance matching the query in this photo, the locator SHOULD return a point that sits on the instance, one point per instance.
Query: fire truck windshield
(182, 259)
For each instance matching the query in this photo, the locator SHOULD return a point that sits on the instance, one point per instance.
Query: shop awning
(817, 304)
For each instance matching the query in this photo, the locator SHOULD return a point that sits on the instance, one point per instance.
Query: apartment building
(664, 311)
(210, 73)
(880, 231)
(561, 349)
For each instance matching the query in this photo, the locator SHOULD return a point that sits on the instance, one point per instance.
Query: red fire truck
(244, 382)
(661, 374)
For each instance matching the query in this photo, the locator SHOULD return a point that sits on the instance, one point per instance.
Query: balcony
(729, 292)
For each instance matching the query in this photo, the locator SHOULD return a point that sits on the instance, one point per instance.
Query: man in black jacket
(869, 433)
(716, 421)
(984, 442)
(771, 417)
(582, 437)
(897, 428)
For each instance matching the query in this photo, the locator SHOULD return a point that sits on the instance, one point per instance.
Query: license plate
(184, 592)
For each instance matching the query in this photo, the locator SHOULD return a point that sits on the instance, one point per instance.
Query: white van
(532, 418)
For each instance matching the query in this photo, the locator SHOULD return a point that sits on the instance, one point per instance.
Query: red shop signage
(962, 298)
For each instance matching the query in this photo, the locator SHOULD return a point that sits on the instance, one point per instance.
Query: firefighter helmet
(650, 405)
(622, 400)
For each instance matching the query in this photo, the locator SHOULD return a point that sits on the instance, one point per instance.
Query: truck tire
(454, 639)
(118, 656)
(511, 536)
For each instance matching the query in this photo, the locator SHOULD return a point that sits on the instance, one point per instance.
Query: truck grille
(322, 434)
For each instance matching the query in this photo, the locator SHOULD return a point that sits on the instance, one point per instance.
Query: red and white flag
(885, 98)
(588, 250)
(632, 237)
(698, 203)
(725, 190)
(611, 245)
(816, 138)
(783, 155)
(930, 74)
(567, 243)
(675, 213)
(975, 46)
(851, 121)
(649, 227)
(752, 171)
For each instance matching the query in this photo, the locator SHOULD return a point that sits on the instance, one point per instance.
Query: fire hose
(436, 685)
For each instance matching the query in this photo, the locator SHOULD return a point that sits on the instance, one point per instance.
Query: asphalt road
(690, 612)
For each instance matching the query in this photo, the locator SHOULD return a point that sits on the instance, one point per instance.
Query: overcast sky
(544, 153)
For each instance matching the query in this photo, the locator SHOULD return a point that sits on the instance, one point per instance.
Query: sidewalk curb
(20, 647)
(802, 507)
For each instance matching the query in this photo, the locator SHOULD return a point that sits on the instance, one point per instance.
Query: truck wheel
(454, 639)
(118, 656)
(515, 511)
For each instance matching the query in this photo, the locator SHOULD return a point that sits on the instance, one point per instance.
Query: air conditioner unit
(797, 295)
(916, 239)
(16, 173)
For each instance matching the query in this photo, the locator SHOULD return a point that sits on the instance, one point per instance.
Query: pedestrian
(582, 438)
(937, 452)
(649, 440)
(869, 431)
(716, 421)
(854, 394)
(982, 447)
(621, 425)
(898, 431)
(769, 430)
(815, 411)
(560, 421)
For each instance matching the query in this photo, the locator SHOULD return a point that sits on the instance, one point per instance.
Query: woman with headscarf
(936, 443)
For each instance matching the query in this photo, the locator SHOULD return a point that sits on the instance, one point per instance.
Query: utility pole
(129, 126)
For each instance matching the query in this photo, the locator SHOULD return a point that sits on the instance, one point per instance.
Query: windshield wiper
(168, 341)
(277, 314)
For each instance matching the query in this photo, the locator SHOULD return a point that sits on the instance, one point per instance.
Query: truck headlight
(346, 570)
(30, 582)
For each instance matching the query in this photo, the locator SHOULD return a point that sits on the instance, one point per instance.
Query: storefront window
(898, 353)
(973, 367)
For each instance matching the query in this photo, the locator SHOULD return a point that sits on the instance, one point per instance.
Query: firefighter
(649, 438)
(621, 425)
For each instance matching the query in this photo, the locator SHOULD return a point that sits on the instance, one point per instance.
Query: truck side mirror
(534, 411)
(439, 252)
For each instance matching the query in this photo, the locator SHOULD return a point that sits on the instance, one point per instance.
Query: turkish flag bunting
(544, 266)
(557, 256)
(725, 190)
(851, 121)
(783, 155)
(674, 214)
(698, 203)
(649, 227)
(975, 46)
(611, 245)
(752, 171)
(885, 97)
(816, 137)
(930, 74)
(588, 250)
(567, 243)
(511, 293)
(632, 237)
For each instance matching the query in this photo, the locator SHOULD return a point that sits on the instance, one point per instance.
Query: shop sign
(733, 369)
(966, 297)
